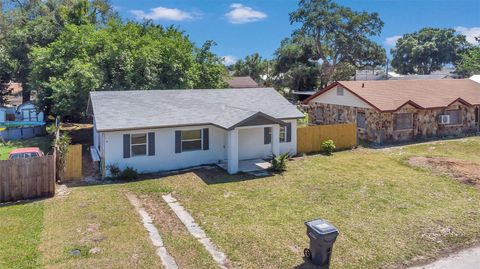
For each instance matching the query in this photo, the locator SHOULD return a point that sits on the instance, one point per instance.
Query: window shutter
(206, 139)
(151, 144)
(178, 141)
(289, 132)
(126, 146)
(267, 137)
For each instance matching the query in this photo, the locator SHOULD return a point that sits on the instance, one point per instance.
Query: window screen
(455, 117)
(191, 140)
(283, 133)
(319, 114)
(339, 91)
(340, 117)
(403, 121)
(138, 144)
(361, 120)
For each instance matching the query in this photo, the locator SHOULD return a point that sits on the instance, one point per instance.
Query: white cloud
(470, 33)
(163, 13)
(392, 40)
(240, 14)
(229, 60)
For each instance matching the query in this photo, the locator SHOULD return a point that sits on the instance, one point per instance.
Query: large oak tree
(331, 42)
(427, 50)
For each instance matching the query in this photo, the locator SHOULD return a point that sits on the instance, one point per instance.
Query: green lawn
(388, 213)
(20, 228)
(43, 142)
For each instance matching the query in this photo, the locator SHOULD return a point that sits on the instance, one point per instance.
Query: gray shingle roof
(122, 110)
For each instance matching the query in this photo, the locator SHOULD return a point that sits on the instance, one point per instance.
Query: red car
(23, 153)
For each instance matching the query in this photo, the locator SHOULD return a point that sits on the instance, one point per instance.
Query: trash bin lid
(321, 226)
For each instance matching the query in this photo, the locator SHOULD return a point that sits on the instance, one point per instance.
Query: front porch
(249, 165)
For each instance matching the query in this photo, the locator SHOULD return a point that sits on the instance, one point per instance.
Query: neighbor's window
(283, 133)
(403, 121)
(319, 114)
(455, 116)
(191, 140)
(138, 144)
(361, 120)
(339, 91)
(340, 116)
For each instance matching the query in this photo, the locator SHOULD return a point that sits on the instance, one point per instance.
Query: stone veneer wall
(379, 125)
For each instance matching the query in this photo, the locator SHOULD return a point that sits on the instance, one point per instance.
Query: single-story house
(163, 130)
(242, 82)
(399, 110)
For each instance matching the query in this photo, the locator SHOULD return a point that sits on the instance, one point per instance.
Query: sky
(243, 27)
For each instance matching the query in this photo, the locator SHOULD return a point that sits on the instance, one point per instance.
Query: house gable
(339, 95)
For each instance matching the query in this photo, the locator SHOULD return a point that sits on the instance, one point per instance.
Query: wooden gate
(310, 138)
(73, 163)
(27, 178)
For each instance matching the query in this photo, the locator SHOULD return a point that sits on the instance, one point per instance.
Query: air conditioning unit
(444, 119)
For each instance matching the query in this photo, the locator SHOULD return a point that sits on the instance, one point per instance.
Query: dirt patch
(464, 171)
(176, 237)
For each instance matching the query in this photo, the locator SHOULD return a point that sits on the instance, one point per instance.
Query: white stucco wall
(347, 99)
(165, 157)
(250, 146)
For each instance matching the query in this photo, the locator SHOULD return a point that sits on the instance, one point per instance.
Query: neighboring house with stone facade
(401, 110)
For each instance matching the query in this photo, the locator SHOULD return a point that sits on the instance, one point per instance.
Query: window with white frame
(361, 120)
(455, 116)
(319, 114)
(403, 121)
(138, 144)
(340, 116)
(191, 140)
(339, 91)
(283, 134)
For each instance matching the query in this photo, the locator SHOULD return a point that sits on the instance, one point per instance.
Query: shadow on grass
(208, 174)
(307, 264)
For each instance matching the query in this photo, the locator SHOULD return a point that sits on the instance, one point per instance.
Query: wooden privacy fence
(310, 138)
(27, 178)
(73, 163)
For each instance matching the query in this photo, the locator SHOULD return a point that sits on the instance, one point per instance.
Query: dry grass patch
(464, 171)
(186, 250)
(95, 227)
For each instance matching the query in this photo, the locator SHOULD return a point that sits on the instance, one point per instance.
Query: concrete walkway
(167, 260)
(196, 231)
(465, 259)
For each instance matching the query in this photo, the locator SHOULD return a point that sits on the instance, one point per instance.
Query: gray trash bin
(322, 236)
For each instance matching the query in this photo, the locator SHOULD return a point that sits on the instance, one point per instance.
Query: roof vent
(363, 85)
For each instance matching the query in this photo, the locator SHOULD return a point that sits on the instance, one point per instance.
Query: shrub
(114, 170)
(279, 163)
(128, 173)
(328, 147)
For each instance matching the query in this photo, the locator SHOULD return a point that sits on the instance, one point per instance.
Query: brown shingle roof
(242, 82)
(390, 95)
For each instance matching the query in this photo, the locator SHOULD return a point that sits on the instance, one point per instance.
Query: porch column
(294, 138)
(232, 151)
(276, 139)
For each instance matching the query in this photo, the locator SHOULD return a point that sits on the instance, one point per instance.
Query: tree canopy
(253, 65)
(331, 43)
(30, 23)
(427, 50)
(119, 56)
(469, 61)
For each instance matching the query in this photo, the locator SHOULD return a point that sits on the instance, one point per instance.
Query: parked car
(23, 153)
